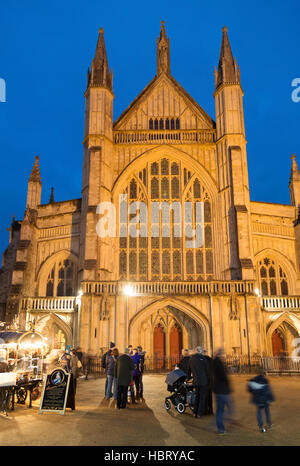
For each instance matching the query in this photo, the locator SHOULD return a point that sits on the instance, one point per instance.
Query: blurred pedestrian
(201, 379)
(209, 397)
(221, 388)
(123, 371)
(262, 396)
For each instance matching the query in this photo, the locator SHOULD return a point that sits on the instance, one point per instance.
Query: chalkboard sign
(55, 393)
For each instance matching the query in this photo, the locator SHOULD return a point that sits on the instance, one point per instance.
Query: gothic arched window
(61, 279)
(178, 244)
(273, 280)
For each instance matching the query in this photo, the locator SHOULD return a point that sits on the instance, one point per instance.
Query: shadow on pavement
(135, 425)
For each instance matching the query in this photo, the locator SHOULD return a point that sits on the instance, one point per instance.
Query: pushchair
(183, 393)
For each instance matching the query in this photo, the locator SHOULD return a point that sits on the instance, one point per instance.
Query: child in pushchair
(183, 394)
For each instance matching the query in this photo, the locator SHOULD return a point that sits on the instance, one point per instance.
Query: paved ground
(97, 422)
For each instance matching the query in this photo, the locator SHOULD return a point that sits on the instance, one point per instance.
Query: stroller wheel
(167, 405)
(180, 408)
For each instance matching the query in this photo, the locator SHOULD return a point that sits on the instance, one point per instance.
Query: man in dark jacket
(142, 365)
(111, 359)
(262, 396)
(136, 372)
(201, 379)
(123, 370)
(184, 363)
(104, 357)
(221, 388)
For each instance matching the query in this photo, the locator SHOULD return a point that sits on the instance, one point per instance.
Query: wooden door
(277, 343)
(159, 347)
(175, 344)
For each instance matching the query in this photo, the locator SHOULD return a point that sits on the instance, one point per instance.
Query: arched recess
(44, 273)
(167, 313)
(288, 327)
(136, 258)
(281, 260)
(50, 325)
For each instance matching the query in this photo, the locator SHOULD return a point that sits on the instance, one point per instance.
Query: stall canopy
(10, 337)
(30, 339)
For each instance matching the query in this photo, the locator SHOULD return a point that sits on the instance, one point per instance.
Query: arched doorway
(159, 347)
(277, 343)
(175, 343)
(153, 329)
(57, 332)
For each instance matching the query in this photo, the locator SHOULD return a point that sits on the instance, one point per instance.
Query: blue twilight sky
(46, 48)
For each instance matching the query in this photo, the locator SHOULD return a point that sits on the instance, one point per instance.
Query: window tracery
(167, 252)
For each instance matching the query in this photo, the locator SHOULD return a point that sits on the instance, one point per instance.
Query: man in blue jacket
(136, 373)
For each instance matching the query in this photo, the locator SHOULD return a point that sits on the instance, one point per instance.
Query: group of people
(124, 373)
(71, 361)
(210, 376)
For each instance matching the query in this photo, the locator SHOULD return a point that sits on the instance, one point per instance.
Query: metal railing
(92, 365)
(281, 365)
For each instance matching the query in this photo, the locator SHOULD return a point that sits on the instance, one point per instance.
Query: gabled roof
(146, 92)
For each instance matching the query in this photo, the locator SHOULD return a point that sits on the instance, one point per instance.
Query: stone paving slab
(97, 422)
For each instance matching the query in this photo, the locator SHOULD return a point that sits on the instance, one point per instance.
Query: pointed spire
(295, 174)
(100, 75)
(228, 71)
(51, 200)
(163, 51)
(35, 174)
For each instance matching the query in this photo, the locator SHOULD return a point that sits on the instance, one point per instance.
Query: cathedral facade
(108, 267)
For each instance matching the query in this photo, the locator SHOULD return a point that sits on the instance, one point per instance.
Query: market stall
(21, 367)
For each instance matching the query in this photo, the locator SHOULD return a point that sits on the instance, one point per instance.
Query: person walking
(201, 379)
(123, 371)
(262, 396)
(209, 396)
(111, 359)
(221, 388)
